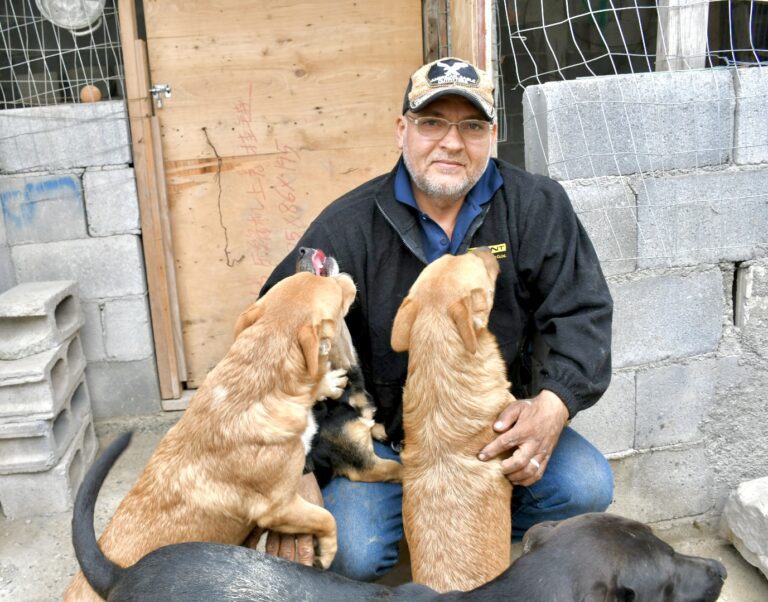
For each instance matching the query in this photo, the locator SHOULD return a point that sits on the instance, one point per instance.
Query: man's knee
(365, 559)
(593, 495)
(588, 486)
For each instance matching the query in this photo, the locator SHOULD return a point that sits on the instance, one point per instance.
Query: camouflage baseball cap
(449, 76)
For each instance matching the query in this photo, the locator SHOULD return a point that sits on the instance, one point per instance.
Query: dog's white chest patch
(309, 432)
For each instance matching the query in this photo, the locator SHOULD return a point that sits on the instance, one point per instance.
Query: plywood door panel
(277, 109)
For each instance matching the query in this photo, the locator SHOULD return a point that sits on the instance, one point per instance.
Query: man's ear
(249, 317)
(461, 314)
(400, 131)
(401, 328)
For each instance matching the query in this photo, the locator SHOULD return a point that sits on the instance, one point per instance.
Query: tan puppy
(235, 458)
(456, 509)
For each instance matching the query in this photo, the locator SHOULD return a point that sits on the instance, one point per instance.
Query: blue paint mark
(20, 206)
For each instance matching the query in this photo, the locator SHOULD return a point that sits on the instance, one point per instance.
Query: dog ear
(316, 341)
(461, 314)
(310, 347)
(348, 291)
(401, 328)
(249, 317)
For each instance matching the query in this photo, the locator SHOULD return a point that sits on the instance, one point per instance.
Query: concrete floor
(37, 560)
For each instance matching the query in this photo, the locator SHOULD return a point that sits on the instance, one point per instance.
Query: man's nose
(452, 138)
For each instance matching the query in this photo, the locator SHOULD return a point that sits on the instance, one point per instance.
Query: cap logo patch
(451, 71)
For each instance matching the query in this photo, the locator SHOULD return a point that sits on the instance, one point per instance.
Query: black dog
(342, 444)
(589, 558)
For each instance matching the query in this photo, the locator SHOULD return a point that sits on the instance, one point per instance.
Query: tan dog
(456, 509)
(235, 458)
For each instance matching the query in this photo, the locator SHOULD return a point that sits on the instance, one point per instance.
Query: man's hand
(297, 548)
(530, 428)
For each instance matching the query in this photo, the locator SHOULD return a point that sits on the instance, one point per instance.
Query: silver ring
(535, 462)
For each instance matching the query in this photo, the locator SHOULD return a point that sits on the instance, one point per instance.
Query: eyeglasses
(436, 128)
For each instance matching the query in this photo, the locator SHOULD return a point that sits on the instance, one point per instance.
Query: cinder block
(111, 202)
(42, 208)
(37, 445)
(92, 332)
(627, 124)
(111, 266)
(127, 329)
(744, 522)
(123, 388)
(32, 494)
(707, 217)
(759, 285)
(35, 316)
(36, 387)
(663, 484)
(64, 136)
(751, 123)
(673, 315)
(754, 308)
(7, 273)
(606, 208)
(610, 424)
(672, 401)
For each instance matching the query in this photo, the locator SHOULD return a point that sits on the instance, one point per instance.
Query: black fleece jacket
(550, 283)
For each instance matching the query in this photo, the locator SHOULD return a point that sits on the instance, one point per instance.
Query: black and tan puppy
(589, 558)
(343, 429)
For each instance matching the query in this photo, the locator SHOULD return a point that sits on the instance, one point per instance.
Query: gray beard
(450, 192)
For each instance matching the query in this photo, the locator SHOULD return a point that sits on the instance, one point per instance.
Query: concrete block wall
(668, 172)
(70, 211)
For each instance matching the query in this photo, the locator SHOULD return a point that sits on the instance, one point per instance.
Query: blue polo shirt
(434, 238)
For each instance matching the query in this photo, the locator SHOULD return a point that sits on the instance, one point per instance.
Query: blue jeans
(369, 520)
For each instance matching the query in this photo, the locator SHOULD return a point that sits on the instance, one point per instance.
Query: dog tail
(100, 572)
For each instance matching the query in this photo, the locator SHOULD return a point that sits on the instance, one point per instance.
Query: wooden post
(153, 213)
(682, 35)
(470, 31)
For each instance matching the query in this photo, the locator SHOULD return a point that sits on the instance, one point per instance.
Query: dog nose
(717, 569)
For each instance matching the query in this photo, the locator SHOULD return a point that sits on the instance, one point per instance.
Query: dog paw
(378, 432)
(324, 557)
(334, 383)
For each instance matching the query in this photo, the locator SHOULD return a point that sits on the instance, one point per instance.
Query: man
(447, 195)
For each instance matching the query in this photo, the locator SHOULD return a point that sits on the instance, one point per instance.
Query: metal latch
(159, 89)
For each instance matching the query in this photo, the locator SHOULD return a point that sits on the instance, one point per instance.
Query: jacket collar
(399, 216)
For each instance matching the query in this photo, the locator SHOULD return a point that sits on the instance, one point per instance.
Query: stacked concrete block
(607, 209)
(46, 427)
(751, 125)
(745, 522)
(670, 315)
(35, 316)
(702, 217)
(42, 208)
(7, 273)
(112, 201)
(64, 136)
(627, 124)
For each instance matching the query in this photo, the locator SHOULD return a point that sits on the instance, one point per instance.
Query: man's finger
(272, 546)
(509, 415)
(523, 469)
(287, 547)
(500, 444)
(305, 547)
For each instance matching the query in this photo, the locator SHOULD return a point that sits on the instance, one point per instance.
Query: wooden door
(277, 108)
